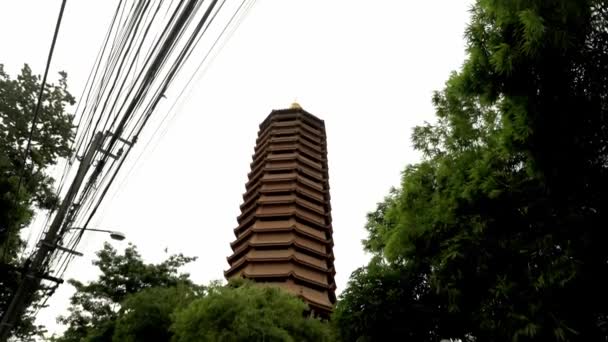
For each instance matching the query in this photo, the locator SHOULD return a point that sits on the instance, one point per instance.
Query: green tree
(96, 306)
(135, 301)
(243, 311)
(50, 142)
(385, 300)
(146, 315)
(505, 216)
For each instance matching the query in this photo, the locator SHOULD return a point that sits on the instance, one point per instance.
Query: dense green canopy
(23, 188)
(50, 142)
(243, 311)
(135, 301)
(115, 303)
(147, 315)
(505, 218)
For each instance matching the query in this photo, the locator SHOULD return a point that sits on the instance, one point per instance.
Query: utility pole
(33, 274)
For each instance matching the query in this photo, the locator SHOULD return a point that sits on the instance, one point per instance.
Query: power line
(26, 152)
(39, 102)
(137, 101)
(94, 71)
(244, 7)
(160, 91)
(175, 67)
(88, 84)
(241, 9)
(126, 114)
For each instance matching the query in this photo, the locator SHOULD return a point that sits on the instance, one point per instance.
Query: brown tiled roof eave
(257, 191)
(289, 177)
(259, 177)
(323, 309)
(291, 228)
(285, 244)
(306, 168)
(261, 149)
(258, 188)
(285, 275)
(305, 115)
(294, 199)
(291, 258)
(295, 122)
(293, 212)
(307, 156)
(313, 138)
(247, 222)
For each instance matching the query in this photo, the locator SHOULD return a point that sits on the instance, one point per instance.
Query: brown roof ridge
(293, 227)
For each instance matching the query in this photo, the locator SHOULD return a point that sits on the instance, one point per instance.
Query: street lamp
(113, 234)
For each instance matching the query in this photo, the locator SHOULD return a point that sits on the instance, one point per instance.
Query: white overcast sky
(368, 68)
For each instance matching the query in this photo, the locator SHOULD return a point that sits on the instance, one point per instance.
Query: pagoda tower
(284, 232)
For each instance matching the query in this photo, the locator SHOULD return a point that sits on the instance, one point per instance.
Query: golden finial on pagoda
(295, 105)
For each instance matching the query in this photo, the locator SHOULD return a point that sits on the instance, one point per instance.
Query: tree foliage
(147, 315)
(385, 300)
(50, 142)
(504, 219)
(135, 301)
(244, 311)
(97, 306)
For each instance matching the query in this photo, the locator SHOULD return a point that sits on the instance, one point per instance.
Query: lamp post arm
(93, 230)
